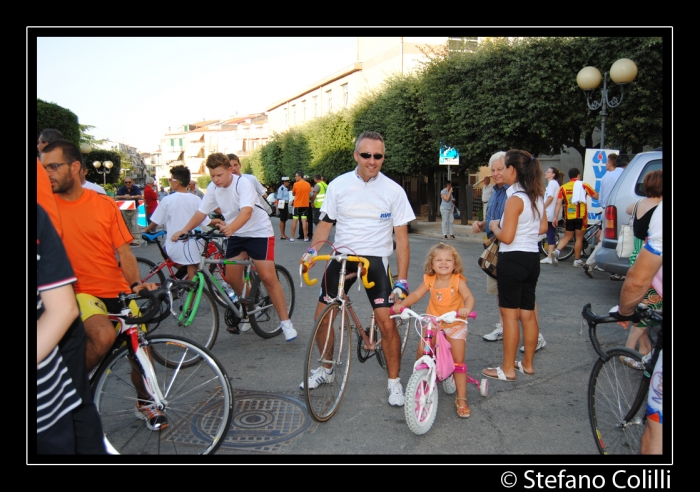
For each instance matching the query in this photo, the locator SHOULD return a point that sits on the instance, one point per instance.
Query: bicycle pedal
(234, 330)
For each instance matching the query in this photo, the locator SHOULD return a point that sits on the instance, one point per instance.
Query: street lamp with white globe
(107, 168)
(622, 72)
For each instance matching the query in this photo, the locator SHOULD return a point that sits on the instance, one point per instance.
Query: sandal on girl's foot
(519, 367)
(462, 412)
(499, 374)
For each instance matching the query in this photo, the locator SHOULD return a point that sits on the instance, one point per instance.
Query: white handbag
(625, 241)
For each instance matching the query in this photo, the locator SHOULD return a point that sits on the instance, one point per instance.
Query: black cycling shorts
(378, 273)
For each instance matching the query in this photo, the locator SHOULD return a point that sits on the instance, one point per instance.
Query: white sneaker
(319, 376)
(578, 263)
(495, 335)
(597, 268)
(547, 260)
(244, 326)
(396, 397)
(289, 332)
(555, 257)
(540, 343)
(449, 386)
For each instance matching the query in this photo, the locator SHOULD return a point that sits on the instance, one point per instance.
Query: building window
(303, 110)
(462, 44)
(345, 95)
(294, 114)
(315, 106)
(329, 98)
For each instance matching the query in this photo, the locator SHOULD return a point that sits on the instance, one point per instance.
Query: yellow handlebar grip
(308, 266)
(365, 263)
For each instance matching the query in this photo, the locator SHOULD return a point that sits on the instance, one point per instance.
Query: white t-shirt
(259, 188)
(367, 212)
(528, 223)
(94, 186)
(231, 199)
(553, 191)
(174, 212)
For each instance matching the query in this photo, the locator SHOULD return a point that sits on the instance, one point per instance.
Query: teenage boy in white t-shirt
(248, 229)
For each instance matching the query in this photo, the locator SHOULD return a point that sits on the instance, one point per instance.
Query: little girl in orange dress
(448, 292)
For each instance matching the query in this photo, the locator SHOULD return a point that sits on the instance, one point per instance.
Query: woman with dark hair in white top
(523, 220)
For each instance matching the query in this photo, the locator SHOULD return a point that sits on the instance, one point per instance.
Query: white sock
(392, 382)
(287, 323)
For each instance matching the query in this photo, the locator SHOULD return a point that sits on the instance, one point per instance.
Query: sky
(131, 89)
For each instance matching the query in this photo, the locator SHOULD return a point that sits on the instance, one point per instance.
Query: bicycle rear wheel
(617, 403)
(204, 328)
(262, 315)
(328, 345)
(198, 401)
(421, 405)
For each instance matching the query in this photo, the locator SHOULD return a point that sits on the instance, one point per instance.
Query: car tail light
(610, 222)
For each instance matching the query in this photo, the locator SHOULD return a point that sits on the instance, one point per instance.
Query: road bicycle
(254, 302)
(617, 392)
(150, 272)
(182, 379)
(330, 344)
(421, 402)
(588, 240)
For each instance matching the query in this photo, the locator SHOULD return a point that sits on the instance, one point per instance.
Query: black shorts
(518, 272)
(258, 248)
(574, 224)
(378, 273)
(284, 213)
(301, 212)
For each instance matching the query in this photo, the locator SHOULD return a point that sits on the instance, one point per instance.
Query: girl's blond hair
(443, 247)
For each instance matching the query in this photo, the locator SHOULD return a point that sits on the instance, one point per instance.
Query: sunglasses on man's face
(367, 155)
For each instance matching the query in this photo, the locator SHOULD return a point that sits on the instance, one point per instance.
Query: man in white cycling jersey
(367, 207)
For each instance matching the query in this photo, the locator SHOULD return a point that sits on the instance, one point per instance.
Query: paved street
(542, 415)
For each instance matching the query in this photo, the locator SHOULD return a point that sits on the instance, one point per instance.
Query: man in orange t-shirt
(302, 194)
(93, 230)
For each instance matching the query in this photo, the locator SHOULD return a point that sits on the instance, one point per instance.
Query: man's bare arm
(403, 252)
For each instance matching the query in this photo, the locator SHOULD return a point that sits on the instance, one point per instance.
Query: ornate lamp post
(622, 72)
(107, 168)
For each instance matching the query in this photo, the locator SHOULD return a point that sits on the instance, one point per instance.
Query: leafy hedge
(51, 115)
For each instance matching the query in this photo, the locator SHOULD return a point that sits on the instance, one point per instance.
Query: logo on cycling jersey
(385, 215)
(379, 300)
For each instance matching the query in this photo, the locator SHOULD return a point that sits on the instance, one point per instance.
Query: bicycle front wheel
(617, 403)
(329, 347)
(203, 329)
(198, 401)
(421, 404)
(148, 272)
(262, 315)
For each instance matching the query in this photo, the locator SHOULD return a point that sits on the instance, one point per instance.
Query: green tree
(203, 181)
(330, 141)
(51, 115)
(86, 138)
(103, 155)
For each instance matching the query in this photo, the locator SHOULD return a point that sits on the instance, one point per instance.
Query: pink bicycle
(421, 390)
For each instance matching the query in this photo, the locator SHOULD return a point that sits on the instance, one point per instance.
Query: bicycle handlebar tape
(155, 297)
(365, 271)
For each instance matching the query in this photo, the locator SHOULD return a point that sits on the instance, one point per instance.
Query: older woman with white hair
(150, 193)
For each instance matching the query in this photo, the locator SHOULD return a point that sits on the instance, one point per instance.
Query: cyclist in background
(248, 229)
(173, 212)
(368, 207)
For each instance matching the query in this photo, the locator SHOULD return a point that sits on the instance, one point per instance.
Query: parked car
(628, 189)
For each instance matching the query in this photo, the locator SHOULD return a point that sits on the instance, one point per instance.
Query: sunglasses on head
(367, 155)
